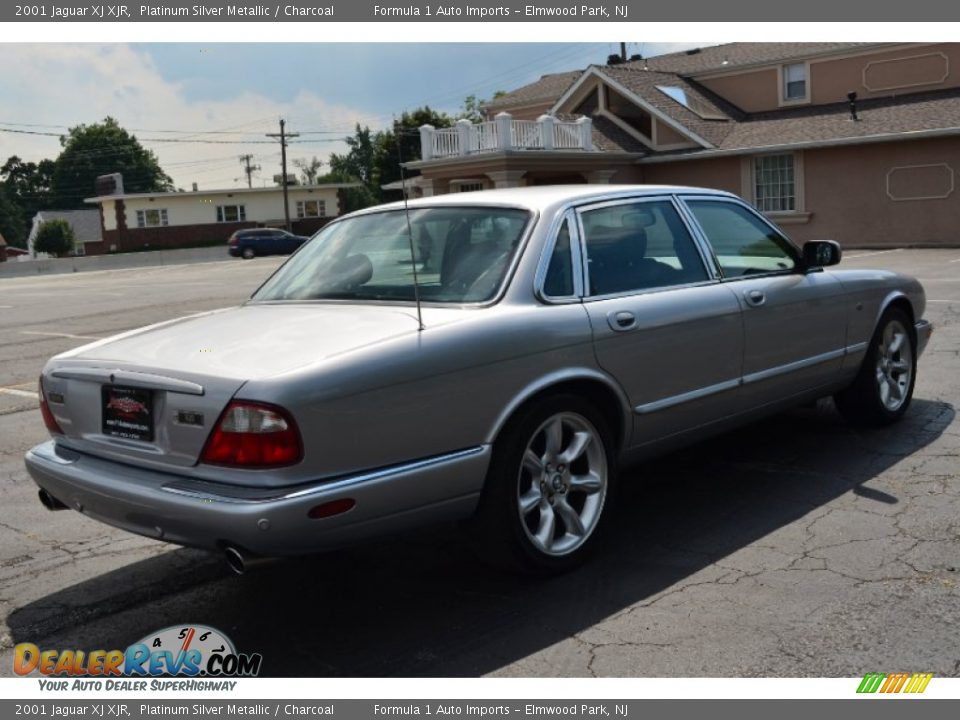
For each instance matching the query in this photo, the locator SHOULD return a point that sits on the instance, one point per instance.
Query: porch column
(506, 178)
(586, 133)
(599, 177)
(426, 142)
(504, 121)
(427, 186)
(546, 131)
(464, 146)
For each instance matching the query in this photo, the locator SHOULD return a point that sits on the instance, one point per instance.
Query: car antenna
(406, 212)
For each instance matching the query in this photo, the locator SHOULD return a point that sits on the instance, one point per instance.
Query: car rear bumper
(234, 250)
(272, 522)
(924, 331)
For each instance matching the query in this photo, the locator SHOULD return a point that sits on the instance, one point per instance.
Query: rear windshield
(461, 255)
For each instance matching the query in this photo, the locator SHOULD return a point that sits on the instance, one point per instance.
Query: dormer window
(794, 82)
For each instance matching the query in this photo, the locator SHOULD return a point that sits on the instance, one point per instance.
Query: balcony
(504, 134)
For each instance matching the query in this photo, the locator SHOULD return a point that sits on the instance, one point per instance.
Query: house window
(231, 213)
(795, 81)
(151, 218)
(311, 208)
(774, 183)
(470, 186)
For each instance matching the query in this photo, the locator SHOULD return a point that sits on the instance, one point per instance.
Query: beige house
(142, 221)
(858, 142)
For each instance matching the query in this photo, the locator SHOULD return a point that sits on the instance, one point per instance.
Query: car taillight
(48, 419)
(233, 240)
(253, 435)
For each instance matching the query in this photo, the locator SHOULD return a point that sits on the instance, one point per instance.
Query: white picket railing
(504, 133)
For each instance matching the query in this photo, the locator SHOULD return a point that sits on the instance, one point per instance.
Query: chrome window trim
(633, 200)
(546, 255)
(533, 219)
(797, 253)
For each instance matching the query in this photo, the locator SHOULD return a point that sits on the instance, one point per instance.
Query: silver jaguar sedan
(489, 356)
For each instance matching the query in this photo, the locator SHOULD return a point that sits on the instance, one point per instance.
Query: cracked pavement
(799, 546)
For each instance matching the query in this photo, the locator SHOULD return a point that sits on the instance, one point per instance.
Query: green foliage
(26, 187)
(54, 237)
(402, 141)
(100, 149)
(12, 226)
(357, 164)
(309, 169)
(373, 159)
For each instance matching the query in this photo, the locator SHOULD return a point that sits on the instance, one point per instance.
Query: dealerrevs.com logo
(181, 650)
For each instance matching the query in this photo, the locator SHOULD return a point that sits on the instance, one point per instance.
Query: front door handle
(754, 298)
(622, 320)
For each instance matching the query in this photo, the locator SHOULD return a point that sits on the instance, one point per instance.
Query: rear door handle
(754, 298)
(622, 320)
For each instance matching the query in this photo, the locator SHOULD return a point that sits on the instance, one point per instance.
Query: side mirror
(821, 253)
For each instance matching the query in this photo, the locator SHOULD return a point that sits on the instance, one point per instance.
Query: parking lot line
(19, 393)
(63, 335)
(878, 252)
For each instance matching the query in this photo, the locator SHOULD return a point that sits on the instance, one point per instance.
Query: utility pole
(283, 135)
(249, 169)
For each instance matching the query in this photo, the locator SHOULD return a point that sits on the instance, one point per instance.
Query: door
(663, 324)
(794, 321)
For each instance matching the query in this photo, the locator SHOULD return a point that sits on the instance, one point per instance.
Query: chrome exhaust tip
(240, 561)
(50, 502)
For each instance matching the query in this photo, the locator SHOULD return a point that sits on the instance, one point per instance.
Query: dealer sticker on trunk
(128, 412)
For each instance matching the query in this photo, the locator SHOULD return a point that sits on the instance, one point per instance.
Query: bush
(54, 237)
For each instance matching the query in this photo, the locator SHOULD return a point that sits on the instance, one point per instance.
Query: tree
(100, 149)
(54, 237)
(357, 164)
(12, 227)
(402, 141)
(27, 190)
(309, 169)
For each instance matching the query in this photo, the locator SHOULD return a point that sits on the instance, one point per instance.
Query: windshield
(462, 255)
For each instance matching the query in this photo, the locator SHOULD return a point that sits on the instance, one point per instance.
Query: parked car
(492, 357)
(263, 241)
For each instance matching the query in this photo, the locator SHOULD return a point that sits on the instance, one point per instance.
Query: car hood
(251, 341)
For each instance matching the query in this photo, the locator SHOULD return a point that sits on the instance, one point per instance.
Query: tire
(538, 514)
(883, 388)
(248, 253)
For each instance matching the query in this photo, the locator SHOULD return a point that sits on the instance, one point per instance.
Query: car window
(559, 278)
(743, 244)
(462, 255)
(639, 246)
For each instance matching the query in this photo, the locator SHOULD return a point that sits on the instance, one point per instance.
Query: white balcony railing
(504, 133)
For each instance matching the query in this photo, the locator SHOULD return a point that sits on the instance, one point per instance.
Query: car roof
(542, 197)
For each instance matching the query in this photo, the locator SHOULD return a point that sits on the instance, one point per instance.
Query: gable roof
(741, 55)
(923, 112)
(644, 84)
(85, 223)
(545, 90)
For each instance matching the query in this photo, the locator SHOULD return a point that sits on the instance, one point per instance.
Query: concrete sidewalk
(112, 262)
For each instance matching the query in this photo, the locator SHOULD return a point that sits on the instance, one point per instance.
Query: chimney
(194, 187)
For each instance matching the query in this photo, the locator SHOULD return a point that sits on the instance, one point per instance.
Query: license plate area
(127, 412)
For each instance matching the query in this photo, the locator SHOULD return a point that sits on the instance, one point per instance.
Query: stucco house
(140, 221)
(858, 142)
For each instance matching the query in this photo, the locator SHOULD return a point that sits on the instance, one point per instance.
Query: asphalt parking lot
(796, 547)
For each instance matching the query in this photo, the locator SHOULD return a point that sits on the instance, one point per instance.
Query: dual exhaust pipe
(238, 560)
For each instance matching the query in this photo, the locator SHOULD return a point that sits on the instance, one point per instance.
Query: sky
(200, 107)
